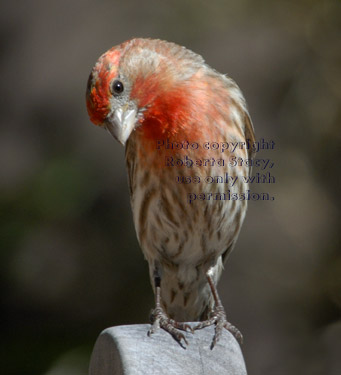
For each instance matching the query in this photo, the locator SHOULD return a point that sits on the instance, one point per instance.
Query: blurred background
(70, 262)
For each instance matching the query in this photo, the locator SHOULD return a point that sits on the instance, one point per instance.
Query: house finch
(172, 111)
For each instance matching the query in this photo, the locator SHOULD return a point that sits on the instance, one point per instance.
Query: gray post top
(127, 350)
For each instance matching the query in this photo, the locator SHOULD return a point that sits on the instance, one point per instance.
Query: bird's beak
(121, 123)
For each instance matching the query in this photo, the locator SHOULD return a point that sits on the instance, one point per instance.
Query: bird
(171, 111)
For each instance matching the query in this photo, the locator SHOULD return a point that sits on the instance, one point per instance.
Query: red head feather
(98, 87)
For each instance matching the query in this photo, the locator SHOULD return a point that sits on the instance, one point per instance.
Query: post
(127, 350)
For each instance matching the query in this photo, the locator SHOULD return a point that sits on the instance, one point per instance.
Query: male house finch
(156, 98)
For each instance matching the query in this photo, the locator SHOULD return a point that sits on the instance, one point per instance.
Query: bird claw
(160, 319)
(218, 317)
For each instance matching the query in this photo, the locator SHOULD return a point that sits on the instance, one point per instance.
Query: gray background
(70, 262)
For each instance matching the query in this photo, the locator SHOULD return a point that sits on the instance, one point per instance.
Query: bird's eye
(117, 87)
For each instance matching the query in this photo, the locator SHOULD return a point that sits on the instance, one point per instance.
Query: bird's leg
(159, 318)
(218, 317)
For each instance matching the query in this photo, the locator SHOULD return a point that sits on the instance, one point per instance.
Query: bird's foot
(218, 317)
(159, 319)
